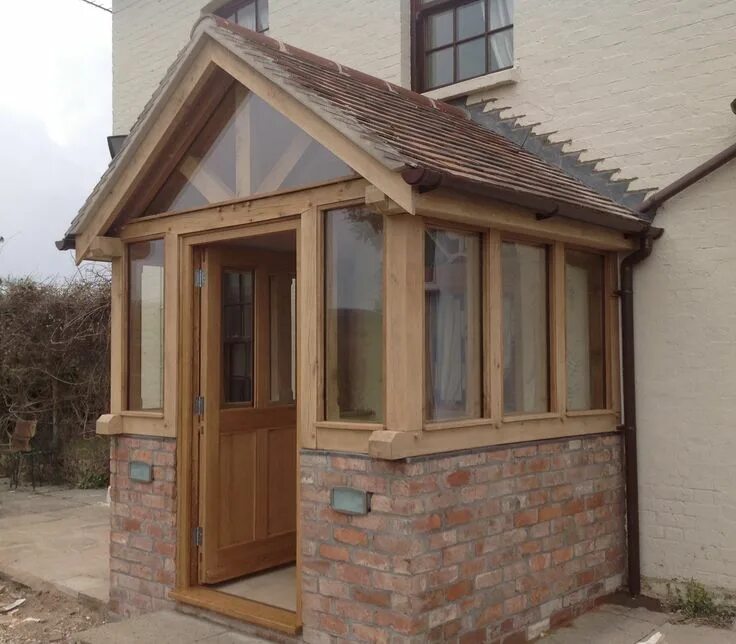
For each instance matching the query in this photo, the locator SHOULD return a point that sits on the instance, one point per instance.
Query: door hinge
(197, 535)
(199, 405)
(199, 277)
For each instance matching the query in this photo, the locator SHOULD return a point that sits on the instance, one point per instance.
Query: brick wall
(143, 526)
(472, 547)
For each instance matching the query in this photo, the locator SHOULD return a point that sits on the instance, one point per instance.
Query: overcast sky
(55, 115)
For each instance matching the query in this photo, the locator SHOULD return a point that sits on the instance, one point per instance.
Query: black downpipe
(628, 369)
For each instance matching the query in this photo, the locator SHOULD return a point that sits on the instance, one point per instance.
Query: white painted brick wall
(370, 35)
(645, 84)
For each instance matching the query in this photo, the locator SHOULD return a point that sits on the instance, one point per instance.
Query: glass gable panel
(245, 148)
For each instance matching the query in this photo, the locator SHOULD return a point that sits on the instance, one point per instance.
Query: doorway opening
(247, 455)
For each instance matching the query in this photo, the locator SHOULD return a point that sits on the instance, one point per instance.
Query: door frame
(187, 588)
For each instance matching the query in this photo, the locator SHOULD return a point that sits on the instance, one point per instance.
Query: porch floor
(273, 587)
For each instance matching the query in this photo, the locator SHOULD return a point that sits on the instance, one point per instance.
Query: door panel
(248, 507)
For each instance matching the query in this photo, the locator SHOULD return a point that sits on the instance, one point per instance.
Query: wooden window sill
(142, 414)
(590, 412)
(460, 423)
(521, 418)
(346, 424)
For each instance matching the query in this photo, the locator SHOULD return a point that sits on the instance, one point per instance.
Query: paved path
(56, 536)
(165, 627)
(613, 624)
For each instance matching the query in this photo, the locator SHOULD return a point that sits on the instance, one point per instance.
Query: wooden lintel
(109, 425)
(380, 202)
(104, 249)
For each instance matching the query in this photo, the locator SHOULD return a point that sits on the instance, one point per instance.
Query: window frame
(232, 7)
(420, 14)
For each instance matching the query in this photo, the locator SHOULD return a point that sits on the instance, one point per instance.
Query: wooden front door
(248, 437)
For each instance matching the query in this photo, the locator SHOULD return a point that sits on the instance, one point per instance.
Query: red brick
(458, 478)
(351, 536)
(334, 553)
(525, 518)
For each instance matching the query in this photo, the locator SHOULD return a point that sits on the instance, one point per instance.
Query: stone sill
(480, 84)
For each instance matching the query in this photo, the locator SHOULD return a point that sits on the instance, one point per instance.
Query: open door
(248, 439)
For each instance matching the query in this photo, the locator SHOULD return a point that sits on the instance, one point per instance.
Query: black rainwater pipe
(628, 376)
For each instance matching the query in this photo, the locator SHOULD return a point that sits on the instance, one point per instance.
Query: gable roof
(431, 143)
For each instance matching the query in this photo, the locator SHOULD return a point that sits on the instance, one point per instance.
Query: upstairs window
(460, 39)
(251, 14)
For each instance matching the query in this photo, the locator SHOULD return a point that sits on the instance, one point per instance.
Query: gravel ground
(44, 616)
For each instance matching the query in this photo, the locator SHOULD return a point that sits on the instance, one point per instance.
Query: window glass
(501, 14)
(452, 324)
(237, 336)
(525, 329)
(246, 147)
(282, 296)
(440, 67)
(502, 50)
(471, 20)
(440, 29)
(471, 59)
(251, 14)
(464, 40)
(146, 325)
(584, 317)
(354, 315)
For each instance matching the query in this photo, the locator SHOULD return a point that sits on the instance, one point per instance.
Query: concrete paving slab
(608, 625)
(56, 536)
(695, 634)
(164, 627)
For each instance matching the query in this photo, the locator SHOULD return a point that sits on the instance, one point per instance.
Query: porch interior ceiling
(400, 128)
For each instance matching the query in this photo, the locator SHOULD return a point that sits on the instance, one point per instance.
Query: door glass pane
(584, 320)
(502, 49)
(237, 336)
(439, 67)
(452, 324)
(246, 147)
(502, 13)
(471, 59)
(146, 325)
(471, 20)
(282, 296)
(354, 315)
(525, 329)
(440, 29)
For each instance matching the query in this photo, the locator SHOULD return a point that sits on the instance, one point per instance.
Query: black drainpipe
(628, 369)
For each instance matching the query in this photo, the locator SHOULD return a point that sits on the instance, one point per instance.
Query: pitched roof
(426, 140)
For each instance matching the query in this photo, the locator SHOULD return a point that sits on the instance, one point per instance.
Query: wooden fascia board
(147, 141)
(388, 181)
(452, 206)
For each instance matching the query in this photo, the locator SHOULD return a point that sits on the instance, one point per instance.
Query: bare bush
(54, 355)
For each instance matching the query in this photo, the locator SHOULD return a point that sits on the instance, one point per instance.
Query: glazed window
(237, 337)
(585, 330)
(460, 39)
(354, 315)
(146, 325)
(452, 324)
(525, 328)
(252, 14)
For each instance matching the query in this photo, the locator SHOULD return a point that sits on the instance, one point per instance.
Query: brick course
(143, 526)
(473, 547)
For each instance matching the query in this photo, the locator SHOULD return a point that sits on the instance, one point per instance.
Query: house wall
(370, 35)
(467, 547)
